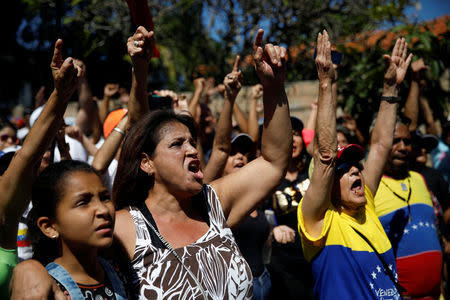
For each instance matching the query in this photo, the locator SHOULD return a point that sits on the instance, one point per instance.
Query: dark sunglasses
(5, 137)
(406, 141)
(346, 166)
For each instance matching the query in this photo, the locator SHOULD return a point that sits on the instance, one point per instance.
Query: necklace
(404, 188)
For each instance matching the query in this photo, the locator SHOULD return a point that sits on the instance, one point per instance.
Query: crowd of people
(161, 199)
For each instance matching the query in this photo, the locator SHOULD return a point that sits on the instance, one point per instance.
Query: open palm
(398, 63)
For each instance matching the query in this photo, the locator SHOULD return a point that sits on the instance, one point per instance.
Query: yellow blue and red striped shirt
(344, 265)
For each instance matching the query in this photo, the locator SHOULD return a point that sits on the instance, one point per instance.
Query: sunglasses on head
(346, 166)
(5, 137)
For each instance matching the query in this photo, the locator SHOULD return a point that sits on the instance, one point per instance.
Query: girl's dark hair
(4, 122)
(46, 193)
(131, 184)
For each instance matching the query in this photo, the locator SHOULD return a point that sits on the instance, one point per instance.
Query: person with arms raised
(167, 215)
(350, 253)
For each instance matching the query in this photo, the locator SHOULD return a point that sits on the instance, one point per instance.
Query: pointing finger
(57, 60)
(257, 49)
(258, 40)
(236, 63)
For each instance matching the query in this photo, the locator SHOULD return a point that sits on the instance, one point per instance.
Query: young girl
(72, 218)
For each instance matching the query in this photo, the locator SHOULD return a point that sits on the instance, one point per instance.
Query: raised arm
(383, 131)
(76, 133)
(428, 116)
(310, 128)
(39, 98)
(350, 124)
(412, 102)
(240, 117)
(241, 191)
(16, 182)
(140, 48)
(199, 85)
(109, 91)
(256, 92)
(110, 147)
(63, 146)
(318, 196)
(88, 119)
(181, 106)
(222, 140)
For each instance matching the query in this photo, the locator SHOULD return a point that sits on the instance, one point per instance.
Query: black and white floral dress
(214, 259)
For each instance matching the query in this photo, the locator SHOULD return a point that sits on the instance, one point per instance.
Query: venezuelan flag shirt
(410, 226)
(344, 265)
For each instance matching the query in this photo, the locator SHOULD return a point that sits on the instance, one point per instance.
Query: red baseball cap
(350, 153)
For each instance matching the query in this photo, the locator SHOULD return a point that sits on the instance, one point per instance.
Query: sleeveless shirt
(214, 259)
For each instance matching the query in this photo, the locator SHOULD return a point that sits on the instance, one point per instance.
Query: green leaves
(361, 75)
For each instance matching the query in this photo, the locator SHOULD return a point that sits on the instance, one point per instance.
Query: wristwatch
(390, 99)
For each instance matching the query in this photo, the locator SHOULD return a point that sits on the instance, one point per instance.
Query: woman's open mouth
(357, 187)
(239, 165)
(195, 169)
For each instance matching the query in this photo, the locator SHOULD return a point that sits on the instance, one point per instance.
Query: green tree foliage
(189, 37)
(201, 37)
(361, 74)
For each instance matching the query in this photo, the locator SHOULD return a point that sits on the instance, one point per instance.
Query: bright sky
(430, 9)
(425, 10)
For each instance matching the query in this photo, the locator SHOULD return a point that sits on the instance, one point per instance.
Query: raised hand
(199, 84)
(168, 93)
(124, 96)
(181, 106)
(270, 62)
(81, 65)
(324, 65)
(59, 136)
(398, 63)
(66, 74)
(350, 122)
(74, 132)
(233, 81)
(141, 46)
(256, 91)
(110, 90)
(418, 66)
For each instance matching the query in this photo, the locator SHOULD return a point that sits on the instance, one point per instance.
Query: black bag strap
(401, 290)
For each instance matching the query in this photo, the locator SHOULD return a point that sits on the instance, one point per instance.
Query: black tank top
(250, 236)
